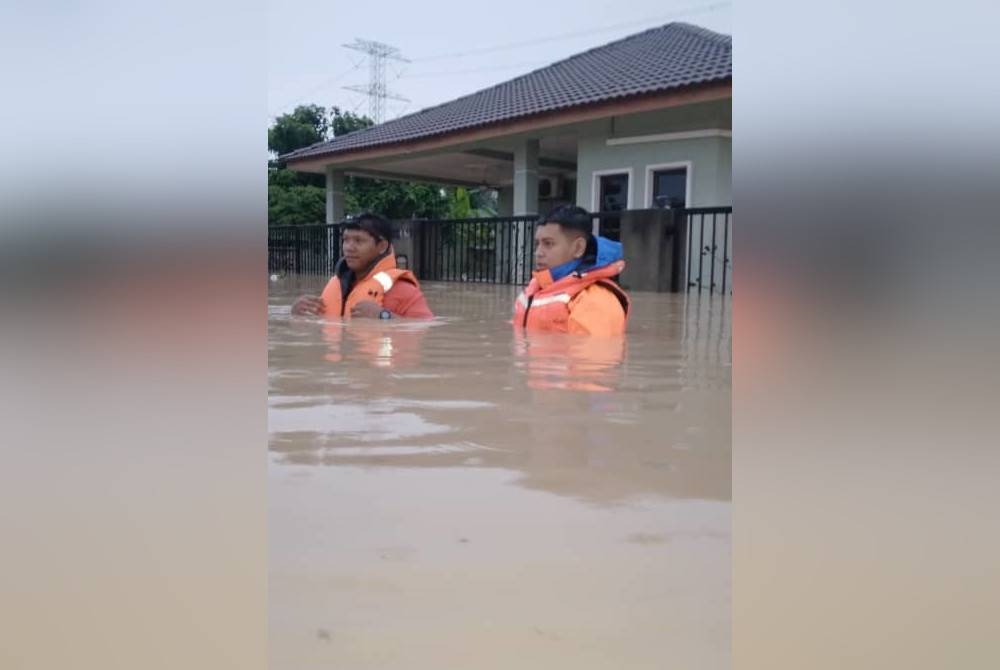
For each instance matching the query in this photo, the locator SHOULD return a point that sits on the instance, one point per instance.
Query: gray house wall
(725, 172)
(710, 157)
(710, 173)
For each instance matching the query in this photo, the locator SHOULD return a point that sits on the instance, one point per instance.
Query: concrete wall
(655, 251)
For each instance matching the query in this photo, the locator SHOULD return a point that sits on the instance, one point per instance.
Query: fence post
(678, 262)
(298, 250)
(726, 255)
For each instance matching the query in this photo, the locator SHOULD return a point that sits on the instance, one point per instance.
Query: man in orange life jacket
(572, 289)
(366, 281)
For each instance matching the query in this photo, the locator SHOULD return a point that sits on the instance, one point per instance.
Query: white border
(670, 137)
(650, 169)
(595, 189)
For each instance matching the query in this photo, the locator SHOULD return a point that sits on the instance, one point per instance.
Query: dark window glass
(670, 188)
(614, 193)
(612, 197)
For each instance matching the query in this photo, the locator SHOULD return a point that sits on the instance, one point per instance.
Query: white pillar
(525, 204)
(334, 195)
(526, 178)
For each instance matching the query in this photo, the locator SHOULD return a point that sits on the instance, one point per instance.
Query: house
(642, 122)
(635, 123)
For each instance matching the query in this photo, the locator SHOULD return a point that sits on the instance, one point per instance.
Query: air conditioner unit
(549, 187)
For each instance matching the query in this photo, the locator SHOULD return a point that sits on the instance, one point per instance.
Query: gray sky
(308, 64)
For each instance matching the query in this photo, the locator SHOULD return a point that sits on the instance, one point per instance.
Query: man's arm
(308, 305)
(406, 300)
(596, 311)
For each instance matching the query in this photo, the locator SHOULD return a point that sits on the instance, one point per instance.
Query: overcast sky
(455, 48)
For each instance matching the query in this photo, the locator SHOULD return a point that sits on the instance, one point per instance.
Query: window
(614, 193)
(612, 197)
(670, 188)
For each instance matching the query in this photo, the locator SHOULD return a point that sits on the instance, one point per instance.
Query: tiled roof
(669, 57)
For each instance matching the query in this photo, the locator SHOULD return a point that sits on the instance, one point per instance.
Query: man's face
(360, 249)
(554, 246)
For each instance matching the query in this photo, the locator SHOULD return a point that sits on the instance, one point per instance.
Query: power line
(326, 82)
(377, 91)
(400, 111)
(378, 53)
(512, 66)
(535, 64)
(701, 9)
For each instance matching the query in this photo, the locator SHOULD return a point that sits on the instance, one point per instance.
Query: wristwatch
(385, 314)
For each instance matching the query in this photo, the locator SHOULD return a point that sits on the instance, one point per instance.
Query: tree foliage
(299, 198)
(459, 205)
(342, 123)
(307, 124)
(295, 204)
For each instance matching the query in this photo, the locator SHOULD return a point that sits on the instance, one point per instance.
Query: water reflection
(569, 362)
(383, 344)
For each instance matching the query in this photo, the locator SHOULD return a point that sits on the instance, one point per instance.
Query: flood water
(449, 495)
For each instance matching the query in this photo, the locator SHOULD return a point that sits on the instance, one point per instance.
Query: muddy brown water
(449, 494)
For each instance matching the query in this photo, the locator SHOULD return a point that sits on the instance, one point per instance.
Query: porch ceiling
(488, 164)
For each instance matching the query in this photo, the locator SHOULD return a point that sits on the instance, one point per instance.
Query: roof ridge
(702, 31)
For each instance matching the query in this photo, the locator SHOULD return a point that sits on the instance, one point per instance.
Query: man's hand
(310, 305)
(367, 308)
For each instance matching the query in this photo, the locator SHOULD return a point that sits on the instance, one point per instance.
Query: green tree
(296, 197)
(459, 205)
(295, 204)
(307, 124)
(342, 122)
(394, 199)
(299, 198)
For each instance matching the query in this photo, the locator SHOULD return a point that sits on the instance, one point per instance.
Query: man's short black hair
(377, 226)
(571, 218)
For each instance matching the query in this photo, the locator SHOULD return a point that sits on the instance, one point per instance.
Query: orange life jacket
(544, 306)
(373, 286)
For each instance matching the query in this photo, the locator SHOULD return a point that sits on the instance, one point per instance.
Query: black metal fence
(499, 250)
(305, 249)
(496, 250)
(710, 252)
